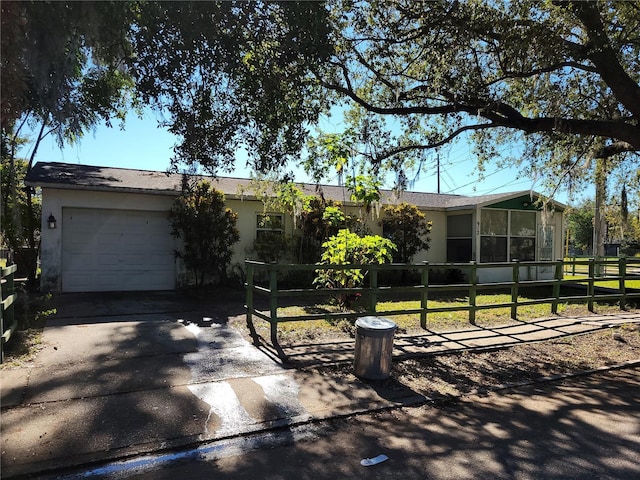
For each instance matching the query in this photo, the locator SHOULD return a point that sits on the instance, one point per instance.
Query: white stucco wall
(54, 200)
(438, 245)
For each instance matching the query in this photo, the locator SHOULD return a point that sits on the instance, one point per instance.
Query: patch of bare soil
(461, 373)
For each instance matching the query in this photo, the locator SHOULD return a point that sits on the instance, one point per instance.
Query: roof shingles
(87, 177)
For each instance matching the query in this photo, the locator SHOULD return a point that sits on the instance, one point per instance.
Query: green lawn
(439, 321)
(614, 284)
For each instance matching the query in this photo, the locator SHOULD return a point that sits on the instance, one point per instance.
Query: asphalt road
(582, 428)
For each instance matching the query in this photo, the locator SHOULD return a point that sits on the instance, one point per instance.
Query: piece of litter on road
(368, 462)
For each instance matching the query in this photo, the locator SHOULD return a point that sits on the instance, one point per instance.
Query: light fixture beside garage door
(51, 222)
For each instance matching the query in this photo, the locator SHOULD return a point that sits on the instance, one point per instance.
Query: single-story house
(107, 229)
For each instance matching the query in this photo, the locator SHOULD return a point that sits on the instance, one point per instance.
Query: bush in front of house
(207, 229)
(349, 248)
(407, 227)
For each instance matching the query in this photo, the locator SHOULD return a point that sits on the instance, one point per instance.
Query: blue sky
(142, 145)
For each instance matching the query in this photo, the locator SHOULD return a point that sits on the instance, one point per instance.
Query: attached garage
(116, 250)
(112, 229)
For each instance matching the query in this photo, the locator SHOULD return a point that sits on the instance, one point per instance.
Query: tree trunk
(32, 265)
(599, 219)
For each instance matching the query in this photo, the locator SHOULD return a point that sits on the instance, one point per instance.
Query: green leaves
(549, 76)
(349, 248)
(232, 74)
(207, 229)
(407, 227)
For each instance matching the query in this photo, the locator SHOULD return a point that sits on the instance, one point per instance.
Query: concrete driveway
(124, 374)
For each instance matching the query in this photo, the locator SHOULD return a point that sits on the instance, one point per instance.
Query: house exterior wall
(438, 245)
(53, 202)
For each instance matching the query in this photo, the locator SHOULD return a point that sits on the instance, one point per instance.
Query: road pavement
(577, 428)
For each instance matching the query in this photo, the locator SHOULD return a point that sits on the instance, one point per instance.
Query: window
(507, 235)
(494, 222)
(269, 224)
(493, 235)
(459, 238)
(493, 249)
(522, 244)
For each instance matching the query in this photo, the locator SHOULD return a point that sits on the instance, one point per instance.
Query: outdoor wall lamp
(51, 221)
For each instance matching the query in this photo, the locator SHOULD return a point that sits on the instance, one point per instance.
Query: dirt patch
(465, 372)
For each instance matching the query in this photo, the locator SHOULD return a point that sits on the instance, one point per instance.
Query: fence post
(373, 289)
(249, 306)
(590, 284)
(424, 294)
(573, 273)
(472, 292)
(7, 298)
(273, 309)
(556, 286)
(622, 273)
(514, 289)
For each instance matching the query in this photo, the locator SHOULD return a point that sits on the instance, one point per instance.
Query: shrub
(207, 229)
(346, 248)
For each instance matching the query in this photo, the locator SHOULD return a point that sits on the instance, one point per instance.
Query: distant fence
(604, 266)
(625, 270)
(8, 321)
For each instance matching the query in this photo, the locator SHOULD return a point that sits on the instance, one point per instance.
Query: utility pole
(438, 167)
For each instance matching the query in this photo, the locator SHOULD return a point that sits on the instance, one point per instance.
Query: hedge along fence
(8, 321)
(423, 290)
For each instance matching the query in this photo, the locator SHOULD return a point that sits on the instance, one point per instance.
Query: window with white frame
(268, 224)
(522, 239)
(494, 230)
(507, 235)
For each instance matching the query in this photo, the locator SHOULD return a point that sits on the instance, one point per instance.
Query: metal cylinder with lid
(374, 347)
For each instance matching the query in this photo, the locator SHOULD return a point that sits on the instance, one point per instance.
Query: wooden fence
(262, 280)
(8, 321)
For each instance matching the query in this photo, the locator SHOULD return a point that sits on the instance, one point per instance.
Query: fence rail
(267, 273)
(8, 321)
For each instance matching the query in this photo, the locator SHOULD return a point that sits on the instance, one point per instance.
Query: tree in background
(207, 229)
(14, 232)
(407, 227)
(580, 225)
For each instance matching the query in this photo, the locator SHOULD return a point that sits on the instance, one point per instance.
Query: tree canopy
(546, 85)
(222, 75)
(558, 79)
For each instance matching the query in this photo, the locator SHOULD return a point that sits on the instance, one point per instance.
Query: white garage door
(115, 250)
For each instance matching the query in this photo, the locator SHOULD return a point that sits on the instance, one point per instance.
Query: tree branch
(439, 143)
(503, 115)
(605, 59)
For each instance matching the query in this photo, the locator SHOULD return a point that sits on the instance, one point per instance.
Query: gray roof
(87, 177)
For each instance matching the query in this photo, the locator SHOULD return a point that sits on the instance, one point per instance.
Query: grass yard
(408, 323)
(613, 284)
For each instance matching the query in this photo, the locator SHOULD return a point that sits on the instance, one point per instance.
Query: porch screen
(507, 235)
(522, 244)
(494, 229)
